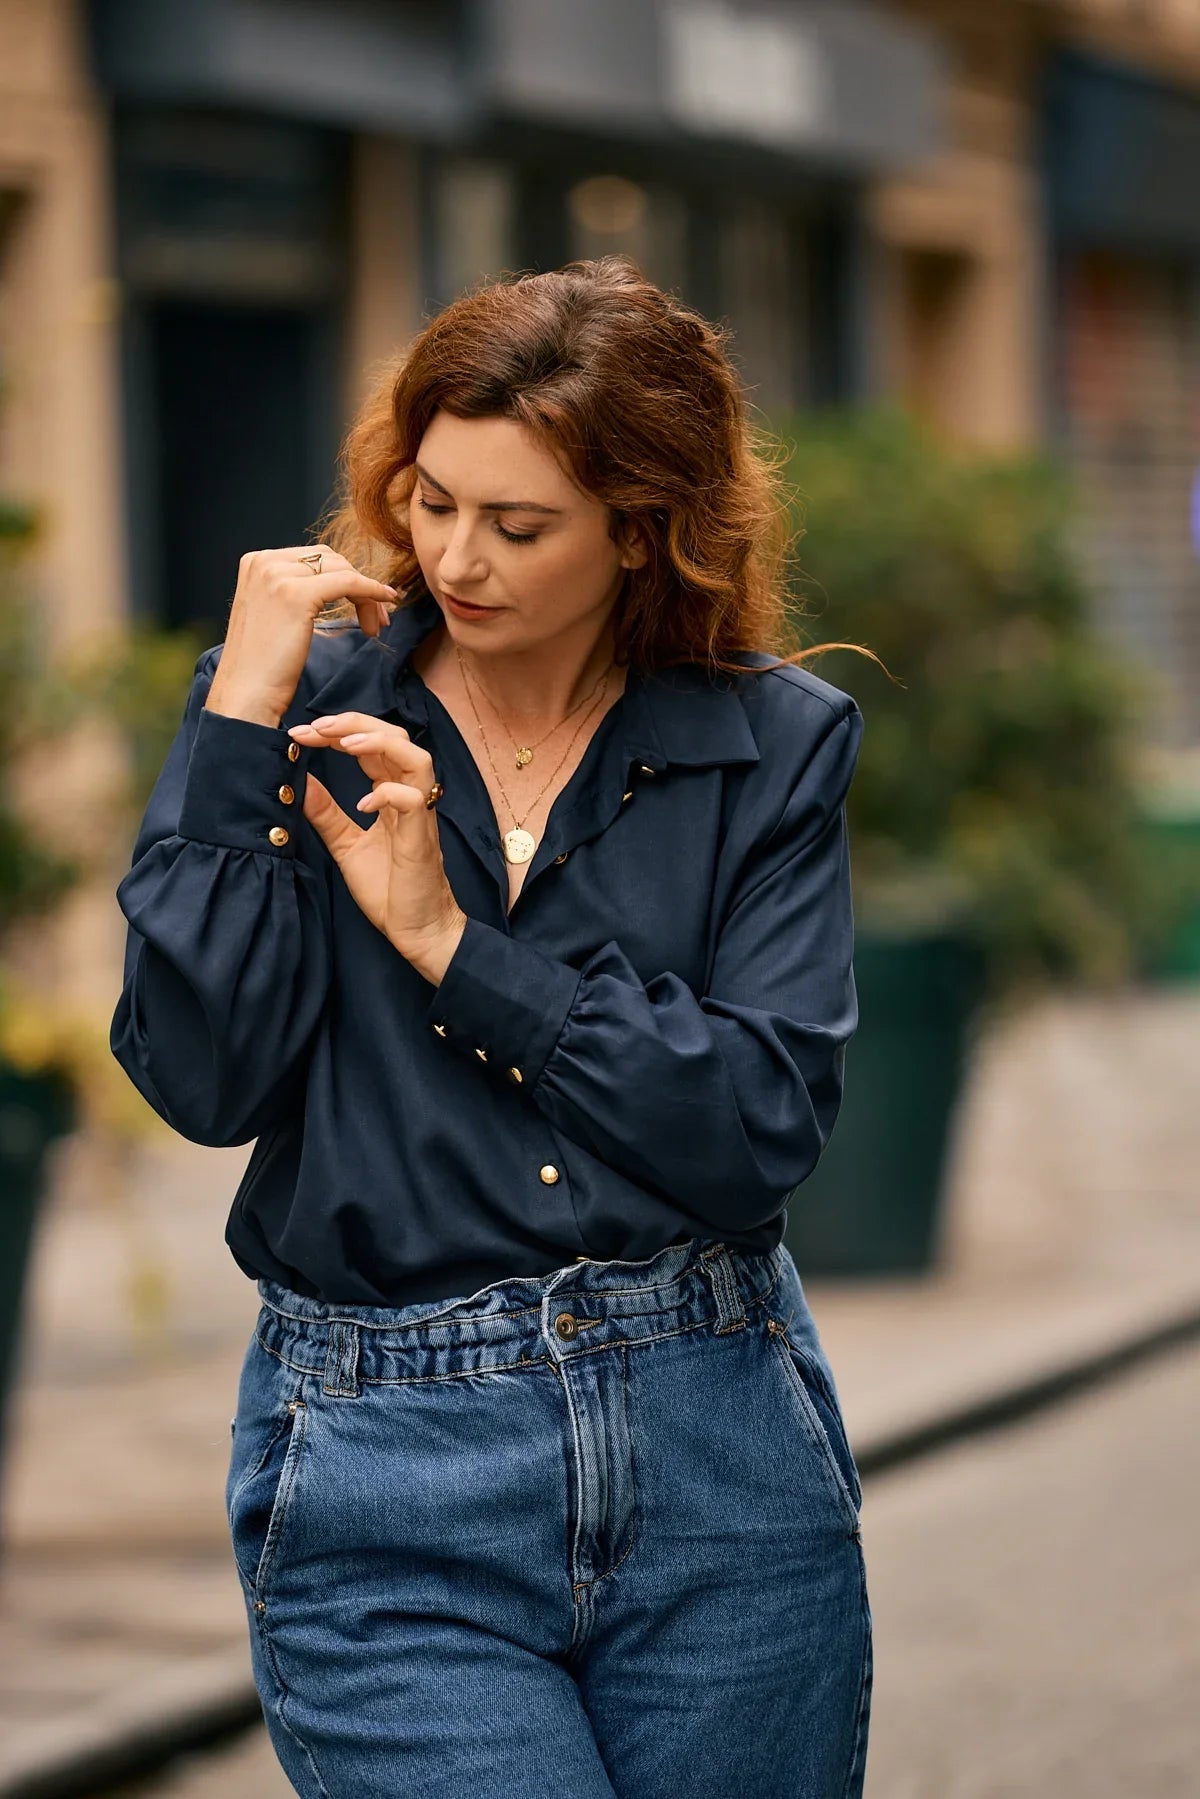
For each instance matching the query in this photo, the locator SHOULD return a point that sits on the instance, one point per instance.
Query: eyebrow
(492, 505)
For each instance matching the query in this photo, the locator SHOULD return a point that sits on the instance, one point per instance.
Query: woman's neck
(532, 689)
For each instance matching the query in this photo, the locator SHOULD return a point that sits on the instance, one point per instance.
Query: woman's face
(496, 522)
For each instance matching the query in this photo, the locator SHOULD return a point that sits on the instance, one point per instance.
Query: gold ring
(313, 561)
(435, 794)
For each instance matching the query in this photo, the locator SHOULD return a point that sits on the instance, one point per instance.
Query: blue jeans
(589, 1533)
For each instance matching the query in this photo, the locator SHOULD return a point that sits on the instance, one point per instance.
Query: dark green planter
(1173, 841)
(34, 1109)
(873, 1203)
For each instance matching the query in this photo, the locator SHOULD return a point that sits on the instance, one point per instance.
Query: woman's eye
(508, 536)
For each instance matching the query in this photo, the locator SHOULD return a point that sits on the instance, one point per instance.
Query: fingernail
(357, 737)
(366, 803)
(323, 724)
(394, 591)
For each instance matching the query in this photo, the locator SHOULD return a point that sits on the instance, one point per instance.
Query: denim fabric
(588, 1533)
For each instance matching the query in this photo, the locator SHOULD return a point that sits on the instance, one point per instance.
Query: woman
(513, 921)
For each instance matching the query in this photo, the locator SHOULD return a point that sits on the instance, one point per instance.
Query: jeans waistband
(575, 1310)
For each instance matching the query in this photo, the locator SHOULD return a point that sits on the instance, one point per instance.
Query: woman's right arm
(227, 961)
(228, 958)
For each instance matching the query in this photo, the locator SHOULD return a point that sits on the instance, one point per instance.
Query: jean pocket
(260, 1487)
(821, 1414)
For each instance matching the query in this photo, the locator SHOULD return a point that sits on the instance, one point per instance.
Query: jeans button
(565, 1325)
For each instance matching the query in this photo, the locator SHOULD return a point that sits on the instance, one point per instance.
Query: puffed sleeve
(227, 962)
(722, 1102)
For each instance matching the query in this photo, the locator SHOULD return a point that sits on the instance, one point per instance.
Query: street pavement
(1036, 1603)
(1073, 1227)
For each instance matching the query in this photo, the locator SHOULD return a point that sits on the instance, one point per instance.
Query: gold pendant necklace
(519, 844)
(524, 751)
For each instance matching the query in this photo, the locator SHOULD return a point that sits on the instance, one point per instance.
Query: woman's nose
(460, 562)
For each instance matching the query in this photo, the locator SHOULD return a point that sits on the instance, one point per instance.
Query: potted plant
(995, 822)
(56, 1071)
(35, 1097)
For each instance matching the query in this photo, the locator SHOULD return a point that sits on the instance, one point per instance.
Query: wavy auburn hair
(636, 397)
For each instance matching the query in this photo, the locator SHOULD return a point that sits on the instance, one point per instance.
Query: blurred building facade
(1043, 283)
(217, 216)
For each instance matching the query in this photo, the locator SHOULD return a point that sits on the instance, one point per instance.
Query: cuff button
(515, 1075)
(482, 1054)
(293, 752)
(279, 836)
(287, 794)
(440, 1029)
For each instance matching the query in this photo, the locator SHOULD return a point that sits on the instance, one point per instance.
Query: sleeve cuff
(504, 998)
(243, 790)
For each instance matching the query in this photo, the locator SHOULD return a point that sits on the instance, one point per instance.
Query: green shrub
(999, 789)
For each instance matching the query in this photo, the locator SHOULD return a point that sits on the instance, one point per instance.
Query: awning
(845, 84)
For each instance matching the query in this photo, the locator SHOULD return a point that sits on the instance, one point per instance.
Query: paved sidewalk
(1073, 1227)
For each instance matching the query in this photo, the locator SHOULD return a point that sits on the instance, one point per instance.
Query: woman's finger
(358, 734)
(339, 833)
(295, 552)
(336, 584)
(394, 796)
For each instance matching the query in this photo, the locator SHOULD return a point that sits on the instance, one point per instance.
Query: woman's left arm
(723, 1102)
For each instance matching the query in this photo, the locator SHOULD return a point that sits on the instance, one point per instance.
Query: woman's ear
(635, 551)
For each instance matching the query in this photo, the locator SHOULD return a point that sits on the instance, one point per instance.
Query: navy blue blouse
(649, 1046)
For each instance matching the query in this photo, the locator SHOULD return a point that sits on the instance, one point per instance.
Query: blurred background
(958, 249)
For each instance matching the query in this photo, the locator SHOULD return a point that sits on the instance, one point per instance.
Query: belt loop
(341, 1360)
(718, 1265)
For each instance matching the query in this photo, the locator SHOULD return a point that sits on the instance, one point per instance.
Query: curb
(1010, 1405)
(195, 1705)
(141, 1734)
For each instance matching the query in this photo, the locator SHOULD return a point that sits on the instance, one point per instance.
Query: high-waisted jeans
(589, 1533)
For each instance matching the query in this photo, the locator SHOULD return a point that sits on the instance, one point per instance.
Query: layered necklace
(519, 844)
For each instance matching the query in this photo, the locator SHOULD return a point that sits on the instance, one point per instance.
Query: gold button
(440, 1029)
(516, 1075)
(627, 796)
(566, 1325)
(563, 857)
(482, 1054)
(549, 1173)
(287, 794)
(293, 752)
(645, 770)
(279, 836)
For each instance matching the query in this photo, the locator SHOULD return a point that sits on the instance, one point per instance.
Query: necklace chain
(524, 752)
(508, 837)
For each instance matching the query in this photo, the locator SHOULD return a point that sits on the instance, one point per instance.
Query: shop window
(474, 223)
(610, 214)
(763, 300)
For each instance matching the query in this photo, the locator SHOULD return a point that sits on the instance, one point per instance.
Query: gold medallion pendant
(518, 845)
(524, 756)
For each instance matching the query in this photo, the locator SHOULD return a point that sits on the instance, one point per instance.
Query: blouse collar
(678, 716)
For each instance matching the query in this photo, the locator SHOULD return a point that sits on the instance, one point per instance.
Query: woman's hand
(271, 621)
(394, 869)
